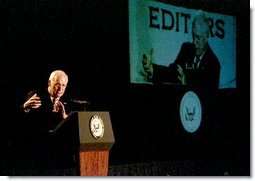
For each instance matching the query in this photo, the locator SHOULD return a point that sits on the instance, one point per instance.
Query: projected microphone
(80, 101)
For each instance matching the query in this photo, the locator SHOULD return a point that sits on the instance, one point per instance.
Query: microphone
(80, 101)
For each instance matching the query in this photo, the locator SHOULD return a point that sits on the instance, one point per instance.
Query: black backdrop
(90, 41)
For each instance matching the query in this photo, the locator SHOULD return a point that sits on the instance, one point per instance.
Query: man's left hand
(61, 109)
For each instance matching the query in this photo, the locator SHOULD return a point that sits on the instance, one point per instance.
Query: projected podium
(95, 139)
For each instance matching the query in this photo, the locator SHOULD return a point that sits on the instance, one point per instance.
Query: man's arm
(158, 74)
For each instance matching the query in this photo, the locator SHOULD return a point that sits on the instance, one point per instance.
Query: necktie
(196, 63)
(54, 103)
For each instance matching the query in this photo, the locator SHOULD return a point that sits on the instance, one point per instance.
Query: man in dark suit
(42, 112)
(196, 64)
(44, 109)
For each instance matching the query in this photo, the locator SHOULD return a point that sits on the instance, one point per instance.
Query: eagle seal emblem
(96, 127)
(190, 112)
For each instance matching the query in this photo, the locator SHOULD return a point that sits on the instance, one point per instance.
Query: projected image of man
(195, 65)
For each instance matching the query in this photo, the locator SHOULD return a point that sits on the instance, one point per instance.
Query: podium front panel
(95, 131)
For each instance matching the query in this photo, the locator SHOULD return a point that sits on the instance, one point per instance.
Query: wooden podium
(96, 139)
(94, 136)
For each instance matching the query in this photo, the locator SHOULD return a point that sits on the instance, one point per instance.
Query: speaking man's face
(58, 86)
(200, 37)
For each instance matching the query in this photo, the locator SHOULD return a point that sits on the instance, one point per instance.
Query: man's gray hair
(56, 72)
(201, 18)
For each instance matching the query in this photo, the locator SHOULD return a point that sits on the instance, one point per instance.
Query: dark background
(90, 41)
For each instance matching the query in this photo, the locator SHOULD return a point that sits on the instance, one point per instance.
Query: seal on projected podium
(96, 127)
(190, 111)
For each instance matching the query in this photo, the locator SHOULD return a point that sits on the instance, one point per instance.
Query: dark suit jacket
(42, 119)
(36, 140)
(205, 78)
